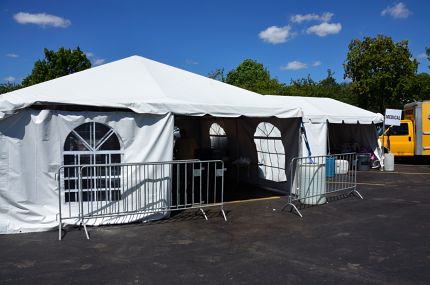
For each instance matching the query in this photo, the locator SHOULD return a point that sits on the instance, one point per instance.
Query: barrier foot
(86, 231)
(224, 215)
(204, 214)
(59, 231)
(358, 194)
(293, 207)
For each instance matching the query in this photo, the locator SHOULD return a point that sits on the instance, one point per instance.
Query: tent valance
(319, 110)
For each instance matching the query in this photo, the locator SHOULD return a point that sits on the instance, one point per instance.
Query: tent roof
(146, 86)
(316, 109)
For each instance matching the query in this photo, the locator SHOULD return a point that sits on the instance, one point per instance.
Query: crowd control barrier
(127, 192)
(314, 179)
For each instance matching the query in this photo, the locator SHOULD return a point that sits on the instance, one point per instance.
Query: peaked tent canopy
(147, 87)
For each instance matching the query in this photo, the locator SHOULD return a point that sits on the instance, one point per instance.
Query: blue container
(330, 167)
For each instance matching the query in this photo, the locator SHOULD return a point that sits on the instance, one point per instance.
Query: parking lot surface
(383, 239)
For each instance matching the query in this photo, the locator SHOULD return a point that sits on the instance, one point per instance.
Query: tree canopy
(253, 76)
(56, 64)
(383, 72)
(8, 87)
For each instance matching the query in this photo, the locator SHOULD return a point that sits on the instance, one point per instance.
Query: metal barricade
(314, 179)
(128, 192)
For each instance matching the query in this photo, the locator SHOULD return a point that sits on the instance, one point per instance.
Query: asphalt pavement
(383, 239)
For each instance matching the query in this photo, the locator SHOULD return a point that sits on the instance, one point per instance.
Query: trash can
(330, 169)
(312, 183)
(363, 162)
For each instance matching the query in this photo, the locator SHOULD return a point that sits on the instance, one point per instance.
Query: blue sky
(291, 38)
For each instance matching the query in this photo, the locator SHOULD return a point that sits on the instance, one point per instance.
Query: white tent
(133, 103)
(146, 87)
(334, 126)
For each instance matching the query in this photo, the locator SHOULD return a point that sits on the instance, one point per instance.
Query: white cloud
(276, 35)
(9, 79)
(325, 17)
(324, 29)
(421, 55)
(41, 19)
(98, 61)
(316, 63)
(191, 62)
(294, 65)
(12, 55)
(94, 59)
(398, 11)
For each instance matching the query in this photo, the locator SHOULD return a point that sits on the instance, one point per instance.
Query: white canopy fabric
(318, 110)
(354, 124)
(147, 87)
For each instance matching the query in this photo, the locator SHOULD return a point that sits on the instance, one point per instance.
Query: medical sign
(393, 117)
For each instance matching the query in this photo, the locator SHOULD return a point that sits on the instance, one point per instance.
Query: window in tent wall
(218, 137)
(91, 144)
(270, 152)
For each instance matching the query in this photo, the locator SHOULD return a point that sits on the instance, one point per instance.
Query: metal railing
(128, 192)
(314, 179)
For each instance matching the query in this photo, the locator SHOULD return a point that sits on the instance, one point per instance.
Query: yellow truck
(412, 137)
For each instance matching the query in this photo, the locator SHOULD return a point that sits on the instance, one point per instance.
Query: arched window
(218, 137)
(89, 144)
(270, 151)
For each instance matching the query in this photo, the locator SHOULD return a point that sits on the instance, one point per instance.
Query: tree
(9, 87)
(383, 72)
(423, 80)
(57, 64)
(217, 74)
(428, 54)
(253, 76)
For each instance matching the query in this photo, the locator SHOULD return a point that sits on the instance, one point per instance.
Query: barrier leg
(59, 230)
(355, 192)
(293, 207)
(204, 214)
(223, 214)
(86, 231)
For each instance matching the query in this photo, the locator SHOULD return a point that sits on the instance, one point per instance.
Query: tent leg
(204, 214)
(355, 192)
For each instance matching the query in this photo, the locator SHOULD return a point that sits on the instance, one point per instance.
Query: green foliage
(428, 54)
(217, 74)
(328, 88)
(9, 87)
(57, 64)
(423, 81)
(382, 72)
(254, 76)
